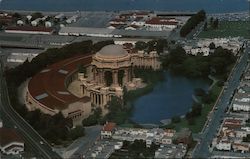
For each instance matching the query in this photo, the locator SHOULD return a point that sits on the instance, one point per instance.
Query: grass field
(228, 29)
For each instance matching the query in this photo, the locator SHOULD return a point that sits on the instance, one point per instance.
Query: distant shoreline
(121, 11)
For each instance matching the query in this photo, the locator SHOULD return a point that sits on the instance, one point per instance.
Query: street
(203, 149)
(31, 137)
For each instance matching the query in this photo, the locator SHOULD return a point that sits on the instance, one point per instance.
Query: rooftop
(109, 126)
(112, 51)
(48, 86)
(8, 136)
(162, 21)
(30, 28)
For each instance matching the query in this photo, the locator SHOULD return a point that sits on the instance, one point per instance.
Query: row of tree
(213, 24)
(192, 23)
(217, 63)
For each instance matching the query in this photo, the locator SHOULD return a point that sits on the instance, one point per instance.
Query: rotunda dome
(112, 51)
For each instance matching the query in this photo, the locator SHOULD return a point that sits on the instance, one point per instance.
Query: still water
(171, 97)
(212, 6)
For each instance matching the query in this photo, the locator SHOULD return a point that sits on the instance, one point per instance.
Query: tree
(199, 92)
(247, 138)
(161, 44)
(118, 112)
(205, 26)
(93, 119)
(191, 121)
(211, 45)
(192, 23)
(152, 45)
(125, 95)
(177, 55)
(175, 119)
(216, 23)
(141, 45)
(77, 132)
(211, 21)
(16, 15)
(36, 15)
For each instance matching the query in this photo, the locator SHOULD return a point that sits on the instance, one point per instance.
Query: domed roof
(110, 51)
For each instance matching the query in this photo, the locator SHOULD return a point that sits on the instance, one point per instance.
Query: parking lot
(94, 19)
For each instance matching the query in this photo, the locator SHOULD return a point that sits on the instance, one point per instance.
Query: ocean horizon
(210, 6)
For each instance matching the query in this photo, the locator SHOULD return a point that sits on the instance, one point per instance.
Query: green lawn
(199, 121)
(228, 29)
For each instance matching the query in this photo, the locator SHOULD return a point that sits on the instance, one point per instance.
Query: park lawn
(228, 29)
(200, 120)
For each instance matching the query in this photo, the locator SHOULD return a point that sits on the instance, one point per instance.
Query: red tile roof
(9, 135)
(29, 28)
(162, 21)
(52, 82)
(109, 126)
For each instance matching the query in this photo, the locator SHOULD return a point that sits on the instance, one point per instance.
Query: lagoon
(171, 97)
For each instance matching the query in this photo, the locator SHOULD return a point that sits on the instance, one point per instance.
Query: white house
(48, 24)
(160, 24)
(224, 145)
(21, 57)
(241, 106)
(59, 16)
(166, 140)
(241, 102)
(138, 23)
(111, 27)
(72, 19)
(241, 133)
(117, 21)
(108, 130)
(169, 132)
(205, 51)
(44, 18)
(149, 141)
(20, 22)
(35, 22)
(29, 17)
(132, 27)
(11, 142)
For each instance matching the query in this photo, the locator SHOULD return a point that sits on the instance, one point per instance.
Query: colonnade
(99, 99)
(99, 76)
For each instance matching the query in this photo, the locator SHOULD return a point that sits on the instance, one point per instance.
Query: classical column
(125, 79)
(115, 77)
(100, 100)
(95, 98)
(94, 73)
(100, 76)
(91, 97)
